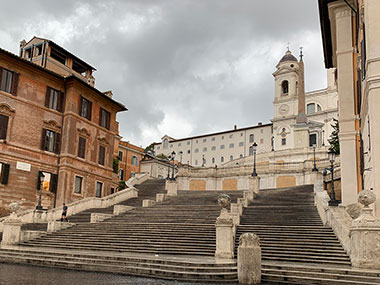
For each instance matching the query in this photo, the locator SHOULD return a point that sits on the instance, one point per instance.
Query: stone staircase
(181, 227)
(296, 247)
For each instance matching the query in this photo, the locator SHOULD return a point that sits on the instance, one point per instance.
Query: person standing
(64, 213)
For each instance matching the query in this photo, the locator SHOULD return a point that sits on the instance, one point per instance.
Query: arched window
(222, 159)
(231, 157)
(285, 87)
(213, 160)
(310, 108)
(319, 108)
(166, 143)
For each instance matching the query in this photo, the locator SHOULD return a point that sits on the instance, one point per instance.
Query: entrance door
(99, 186)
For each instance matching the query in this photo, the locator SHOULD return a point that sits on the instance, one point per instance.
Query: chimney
(108, 93)
(235, 127)
(259, 123)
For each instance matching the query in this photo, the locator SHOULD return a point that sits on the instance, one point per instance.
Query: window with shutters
(99, 188)
(85, 108)
(104, 119)
(78, 184)
(8, 81)
(102, 155)
(54, 99)
(3, 126)
(47, 181)
(50, 141)
(251, 138)
(4, 173)
(120, 155)
(135, 160)
(81, 147)
(121, 174)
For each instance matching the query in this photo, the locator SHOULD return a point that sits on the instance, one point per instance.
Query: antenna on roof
(301, 54)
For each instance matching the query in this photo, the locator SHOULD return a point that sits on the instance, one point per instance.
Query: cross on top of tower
(301, 54)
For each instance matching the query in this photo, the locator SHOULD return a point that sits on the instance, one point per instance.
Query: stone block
(11, 232)
(99, 217)
(148, 203)
(160, 198)
(119, 209)
(29, 235)
(171, 187)
(249, 259)
(254, 186)
(224, 236)
(57, 226)
(235, 208)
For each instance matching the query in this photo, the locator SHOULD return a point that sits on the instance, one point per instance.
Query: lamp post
(254, 146)
(173, 155)
(272, 142)
(40, 176)
(169, 158)
(323, 137)
(203, 160)
(314, 162)
(333, 201)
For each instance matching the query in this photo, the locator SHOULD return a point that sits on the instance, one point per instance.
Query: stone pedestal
(301, 135)
(224, 236)
(160, 197)
(39, 216)
(119, 209)
(57, 226)
(171, 187)
(249, 259)
(148, 203)
(99, 217)
(365, 235)
(11, 230)
(254, 187)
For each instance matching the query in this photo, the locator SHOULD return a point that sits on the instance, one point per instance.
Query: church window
(285, 87)
(250, 150)
(283, 141)
(166, 143)
(188, 151)
(310, 108)
(312, 139)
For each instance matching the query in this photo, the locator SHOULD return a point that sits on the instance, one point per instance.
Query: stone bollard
(249, 259)
(148, 203)
(254, 186)
(171, 187)
(57, 226)
(365, 235)
(224, 230)
(11, 230)
(119, 209)
(235, 208)
(160, 197)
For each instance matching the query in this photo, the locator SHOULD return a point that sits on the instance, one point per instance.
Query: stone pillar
(171, 187)
(365, 235)
(249, 259)
(11, 230)
(253, 187)
(224, 236)
(341, 15)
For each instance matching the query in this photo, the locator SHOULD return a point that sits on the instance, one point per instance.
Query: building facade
(282, 140)
(215, 149)
(57, 132)
(129, 157)
(350, 36)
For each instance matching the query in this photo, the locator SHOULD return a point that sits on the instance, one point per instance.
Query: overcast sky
(182, 67)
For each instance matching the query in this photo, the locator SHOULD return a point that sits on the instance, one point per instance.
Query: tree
(115, 165)
(149, 149)
(162, 156)
(334, 137)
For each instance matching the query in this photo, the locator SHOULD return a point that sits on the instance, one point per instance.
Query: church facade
(301, 121)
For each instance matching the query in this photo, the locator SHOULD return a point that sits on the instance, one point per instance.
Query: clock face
(284, 109)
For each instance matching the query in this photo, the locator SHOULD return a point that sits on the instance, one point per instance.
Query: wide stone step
(306, 259)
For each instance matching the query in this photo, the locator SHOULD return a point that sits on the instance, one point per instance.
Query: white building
(284, 137)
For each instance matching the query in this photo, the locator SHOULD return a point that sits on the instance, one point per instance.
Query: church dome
(288, 57)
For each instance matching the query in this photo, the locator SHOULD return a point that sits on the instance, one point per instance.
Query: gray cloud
(181, 67)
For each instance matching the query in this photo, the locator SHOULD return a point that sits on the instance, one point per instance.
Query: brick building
(57, 131)
(129, 156)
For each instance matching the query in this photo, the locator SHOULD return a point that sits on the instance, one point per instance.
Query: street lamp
(169, 158)
(254, 147)
(333, 201)
(173, 155)
(315, 164)
(40, 176)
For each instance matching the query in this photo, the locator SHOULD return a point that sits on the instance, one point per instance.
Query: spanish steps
(175, 239)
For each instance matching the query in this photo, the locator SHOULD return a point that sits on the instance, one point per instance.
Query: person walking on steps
(64, 213)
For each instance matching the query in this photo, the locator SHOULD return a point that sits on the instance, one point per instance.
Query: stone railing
(36, 216)
(273, 175)
(356, 227)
